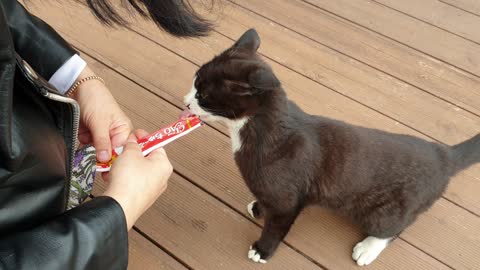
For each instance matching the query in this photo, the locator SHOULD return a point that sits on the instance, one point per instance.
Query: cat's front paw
(253, 210)
(256, 255)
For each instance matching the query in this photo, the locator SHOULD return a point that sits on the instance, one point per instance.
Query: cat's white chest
(234, 128)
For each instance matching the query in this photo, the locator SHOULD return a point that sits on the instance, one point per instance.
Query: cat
(290, 159)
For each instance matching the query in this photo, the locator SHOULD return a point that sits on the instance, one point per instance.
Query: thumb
(140, 133)
(101, 142)
(132, 144)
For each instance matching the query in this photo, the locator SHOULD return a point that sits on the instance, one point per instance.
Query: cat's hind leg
(382, 230)
(366, 251)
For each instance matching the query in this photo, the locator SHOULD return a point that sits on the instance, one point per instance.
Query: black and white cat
(290, 159)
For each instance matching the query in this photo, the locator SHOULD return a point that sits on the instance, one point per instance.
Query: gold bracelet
(74, 87)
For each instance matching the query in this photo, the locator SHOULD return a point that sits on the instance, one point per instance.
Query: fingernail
(103, 156)
(132, 138)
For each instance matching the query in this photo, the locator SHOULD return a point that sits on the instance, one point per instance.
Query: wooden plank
(211, 166)
(419, 35)
(472, 6)
(440, 14)
(139, 58)
(143, 255)
(373, 49)
(453, 226)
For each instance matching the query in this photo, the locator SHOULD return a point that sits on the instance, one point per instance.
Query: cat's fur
(290, 159)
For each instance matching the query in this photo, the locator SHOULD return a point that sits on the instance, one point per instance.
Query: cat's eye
(201, 95)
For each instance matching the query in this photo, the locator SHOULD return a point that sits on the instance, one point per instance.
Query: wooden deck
(406, 66)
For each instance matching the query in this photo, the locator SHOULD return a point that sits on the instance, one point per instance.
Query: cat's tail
(466, 153)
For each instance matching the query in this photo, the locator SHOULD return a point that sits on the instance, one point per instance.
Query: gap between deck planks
(472, 6)
(134, 61)
(143, 255)
(317, 233)
(426, 38)
(441, 15)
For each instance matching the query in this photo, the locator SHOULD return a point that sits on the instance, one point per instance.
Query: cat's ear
(259, 81)
(249, 40)
(263, 79)
(240, 88)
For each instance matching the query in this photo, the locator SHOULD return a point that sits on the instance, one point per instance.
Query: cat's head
(233, 85)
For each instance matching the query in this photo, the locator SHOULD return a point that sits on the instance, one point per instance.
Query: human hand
(102, 123)
(135, 181)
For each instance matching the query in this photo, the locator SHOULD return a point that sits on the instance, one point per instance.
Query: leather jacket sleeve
(43, 48)
(91, 236)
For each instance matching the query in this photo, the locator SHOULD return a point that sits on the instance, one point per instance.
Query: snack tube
(157, 139)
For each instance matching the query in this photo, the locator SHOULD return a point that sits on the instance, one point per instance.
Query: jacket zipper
(76, 123)
(49, 92)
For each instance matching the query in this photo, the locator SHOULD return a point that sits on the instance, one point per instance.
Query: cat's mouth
(188, 113)
(185, 114)
(195, 110)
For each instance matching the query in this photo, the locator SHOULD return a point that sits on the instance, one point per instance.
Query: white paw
(254, 256)
(368, 250)
(250, 208)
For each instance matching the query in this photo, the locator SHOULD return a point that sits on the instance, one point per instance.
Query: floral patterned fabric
(83, 176)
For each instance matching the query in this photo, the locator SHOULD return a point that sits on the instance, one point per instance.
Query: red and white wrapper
(157, 139)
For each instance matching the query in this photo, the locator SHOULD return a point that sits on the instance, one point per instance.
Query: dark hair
(177, 17)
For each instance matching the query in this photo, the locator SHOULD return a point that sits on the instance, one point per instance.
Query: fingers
(158, 155)
(140, 133)
(132, 139)
(106, 176)
(101, 142)
(120, 134)
(160, 158)
(131, 144)
(85, 138)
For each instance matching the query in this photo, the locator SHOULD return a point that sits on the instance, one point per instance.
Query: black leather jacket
(37, 131)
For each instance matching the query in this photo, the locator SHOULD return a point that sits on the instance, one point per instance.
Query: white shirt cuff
(66, 75)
